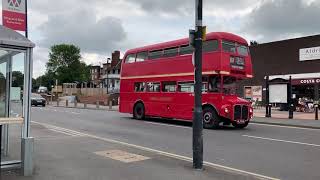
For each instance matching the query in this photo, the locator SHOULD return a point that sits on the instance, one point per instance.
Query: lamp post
(197, 127)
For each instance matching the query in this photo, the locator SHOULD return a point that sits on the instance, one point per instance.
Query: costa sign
(14, 14)
(306, 81)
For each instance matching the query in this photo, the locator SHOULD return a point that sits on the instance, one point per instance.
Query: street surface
(273, 151)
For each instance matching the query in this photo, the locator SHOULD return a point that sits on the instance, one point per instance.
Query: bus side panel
(214, 100)
(126, 99)
(184, 106)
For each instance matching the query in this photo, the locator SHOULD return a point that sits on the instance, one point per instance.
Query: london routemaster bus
(158, 81)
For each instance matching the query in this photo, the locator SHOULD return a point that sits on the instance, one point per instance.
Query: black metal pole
(268, 113)
(197, 117)
(316, 101)
(0, 149)
(27, 32)
(290, 98)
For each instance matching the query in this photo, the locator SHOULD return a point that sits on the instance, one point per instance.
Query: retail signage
(14, 14)
(306, 81)
(253, 93)
(307, 54)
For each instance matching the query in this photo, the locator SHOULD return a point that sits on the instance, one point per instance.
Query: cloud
(186, 8)
(279, 19)
(81, 27)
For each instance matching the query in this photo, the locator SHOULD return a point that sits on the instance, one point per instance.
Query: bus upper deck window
(186, 49)
(229, 46)
(171, 52)
(243, 50)
(142, 56)
(131, 58)
(155, 54)
(210, 46)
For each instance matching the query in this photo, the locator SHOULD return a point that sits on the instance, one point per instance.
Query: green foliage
(253, 43)
(65, 65)
(17, 79)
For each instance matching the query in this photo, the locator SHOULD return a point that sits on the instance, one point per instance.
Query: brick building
(298, 58)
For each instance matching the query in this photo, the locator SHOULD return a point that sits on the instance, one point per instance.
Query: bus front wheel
(210, 118)
(139, 111)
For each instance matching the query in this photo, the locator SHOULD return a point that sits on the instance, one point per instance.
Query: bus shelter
(16, 61)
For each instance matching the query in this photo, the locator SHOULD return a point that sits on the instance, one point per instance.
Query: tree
(65, 65)
(17, 79)
(253, 43)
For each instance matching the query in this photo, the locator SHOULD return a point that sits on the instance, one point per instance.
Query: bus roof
(179, 42)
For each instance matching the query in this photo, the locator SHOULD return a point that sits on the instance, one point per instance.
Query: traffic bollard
(58, 102)
(316, 112)
(110, 105)
(97, 105)
(85, 105)
(75, 103)
(67, 103)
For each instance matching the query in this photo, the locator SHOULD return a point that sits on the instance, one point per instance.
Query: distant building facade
(298, 58)
(95, 75)
(111, 76)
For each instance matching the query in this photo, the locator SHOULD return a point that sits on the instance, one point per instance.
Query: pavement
(311, 124)
(272, 151)
(275, 113)
(64, 154)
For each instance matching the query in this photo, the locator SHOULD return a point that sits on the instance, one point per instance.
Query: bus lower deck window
(169, 86)
(139, 87)
(153, 87)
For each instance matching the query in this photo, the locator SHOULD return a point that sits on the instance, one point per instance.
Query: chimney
(115, 58)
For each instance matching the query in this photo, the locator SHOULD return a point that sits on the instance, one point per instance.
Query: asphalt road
(279, 152)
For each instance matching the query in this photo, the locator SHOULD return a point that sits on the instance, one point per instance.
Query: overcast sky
(99, 27)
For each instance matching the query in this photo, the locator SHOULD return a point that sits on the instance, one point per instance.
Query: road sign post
(197, 127)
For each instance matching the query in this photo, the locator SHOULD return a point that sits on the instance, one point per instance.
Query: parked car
(37, 99)
(42, 89)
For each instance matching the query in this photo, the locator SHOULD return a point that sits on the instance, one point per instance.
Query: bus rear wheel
(139, 111)
(211, 119)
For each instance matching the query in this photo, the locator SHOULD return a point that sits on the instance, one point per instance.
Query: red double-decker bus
(158, 81)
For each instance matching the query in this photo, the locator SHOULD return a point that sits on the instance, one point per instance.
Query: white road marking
(283, 126)
(61, 130)
(169, 125)
(280, 140)
(176, 156)
(59, 111)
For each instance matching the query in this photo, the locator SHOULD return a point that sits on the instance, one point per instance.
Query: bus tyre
(240, 126)
(211, 119)
(139, 111)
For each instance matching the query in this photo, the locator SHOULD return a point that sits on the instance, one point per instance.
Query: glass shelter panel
(12, 67)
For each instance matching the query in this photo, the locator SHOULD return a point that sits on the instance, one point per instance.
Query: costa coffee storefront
(303, 85)
(298, 58)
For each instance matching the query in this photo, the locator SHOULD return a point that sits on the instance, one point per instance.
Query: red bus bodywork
(179, 105)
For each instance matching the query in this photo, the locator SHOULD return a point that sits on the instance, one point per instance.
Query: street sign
(14, 14)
